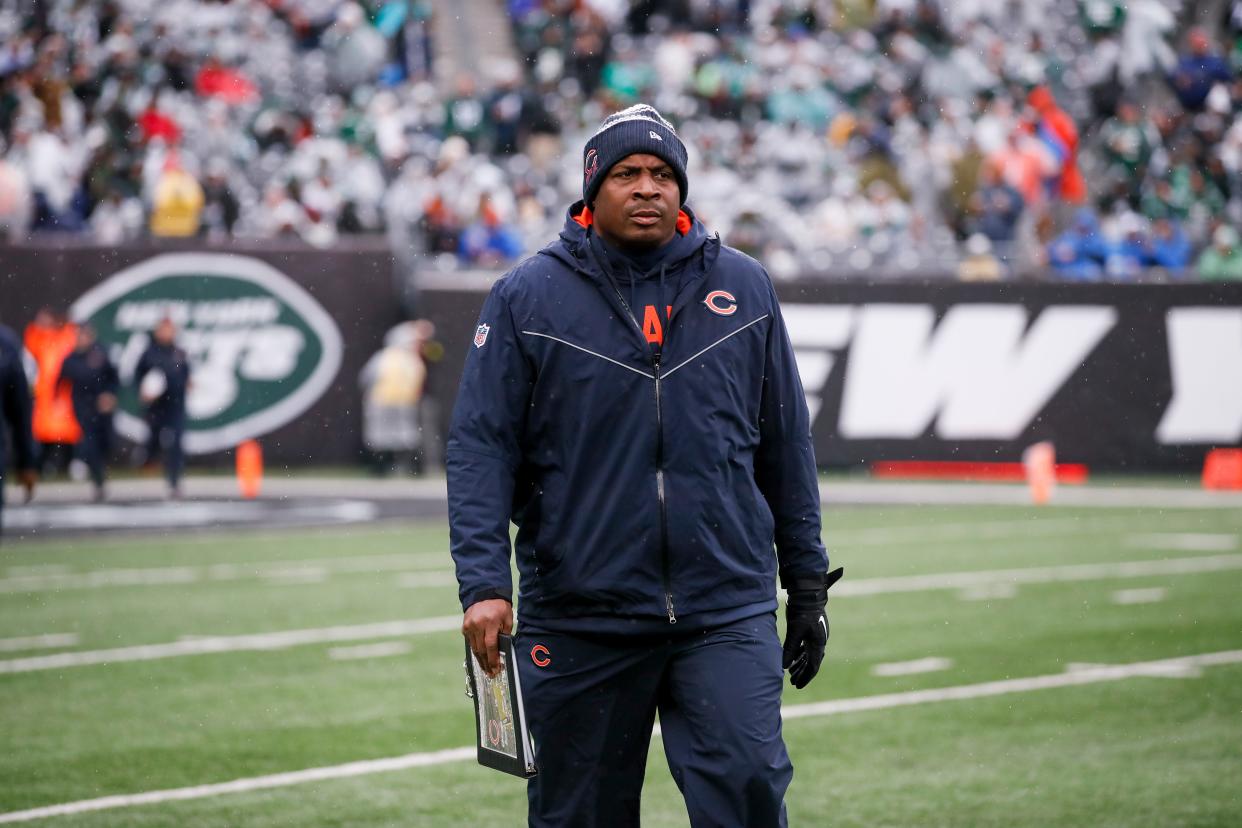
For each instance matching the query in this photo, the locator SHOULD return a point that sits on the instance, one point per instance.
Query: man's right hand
(483, 623)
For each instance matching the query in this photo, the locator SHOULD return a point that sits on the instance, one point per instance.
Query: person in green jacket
(1223, 260)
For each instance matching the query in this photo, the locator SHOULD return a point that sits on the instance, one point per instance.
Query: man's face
(165, 332)
(86, 337)
(637, 203)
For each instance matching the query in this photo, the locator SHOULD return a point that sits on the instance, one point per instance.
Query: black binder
(499, 717)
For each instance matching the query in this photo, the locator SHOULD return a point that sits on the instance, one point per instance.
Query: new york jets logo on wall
(262, 350)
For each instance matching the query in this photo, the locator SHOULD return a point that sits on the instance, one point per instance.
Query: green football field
(1074, 667)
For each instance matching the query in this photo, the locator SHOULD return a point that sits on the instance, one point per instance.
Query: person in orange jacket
(49, 339)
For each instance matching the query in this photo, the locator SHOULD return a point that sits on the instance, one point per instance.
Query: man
(1222, 262)
(93, 381)
(15, 410)
(631, 402)
(162, 379)
(392, 383)
(1198, 70)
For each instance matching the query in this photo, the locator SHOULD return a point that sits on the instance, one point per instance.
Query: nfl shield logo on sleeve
(480, 335)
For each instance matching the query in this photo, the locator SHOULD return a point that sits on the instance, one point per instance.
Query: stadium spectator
(221, 207)
(49, 338)
(1170, 248)
(1198, 71)
(162, 381)
(1223, 260)
(980, 263)
(488, 240)
(1131, 252)
(16, 202)
(1127, 147)
(995, 207)
(1057, 132)
(177, 201)
(15, 419)
(1080, 252)
(93, 384)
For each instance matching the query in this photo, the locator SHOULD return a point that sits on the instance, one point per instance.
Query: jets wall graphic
(1121, 377)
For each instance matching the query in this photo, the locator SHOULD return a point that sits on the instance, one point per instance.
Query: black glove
(806, 625)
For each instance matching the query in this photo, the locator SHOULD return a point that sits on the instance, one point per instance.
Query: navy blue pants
(96, 443)
(165, 432)
(591, 702)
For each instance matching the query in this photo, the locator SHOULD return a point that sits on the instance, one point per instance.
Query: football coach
(631, 403)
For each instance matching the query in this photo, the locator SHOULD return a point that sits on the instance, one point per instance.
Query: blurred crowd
(1089, 139)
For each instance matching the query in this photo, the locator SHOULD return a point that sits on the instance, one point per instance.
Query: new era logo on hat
(637, 130)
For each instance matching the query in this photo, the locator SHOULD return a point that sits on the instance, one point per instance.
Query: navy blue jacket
(176, 367)
(645, 487)
(90, 373)
(15, 403)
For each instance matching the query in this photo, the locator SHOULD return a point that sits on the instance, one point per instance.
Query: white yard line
(397, 629)
(165, 575)
(1185, 541)
(1038, 525)
(931, 664)
(297, 575)
(989, 592)
(35, 569)
(47, 641)
(1087, 674)
(1039, 575)
(419, 580)
(254, 783)
(382, 649)
(1170, 669)
(232, 644)
(1140, 596)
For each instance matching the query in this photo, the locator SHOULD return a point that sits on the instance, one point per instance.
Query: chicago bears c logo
(721, 302)
(591, 164)
(540, 655)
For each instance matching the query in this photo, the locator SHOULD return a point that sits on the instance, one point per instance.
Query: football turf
(1157, 749)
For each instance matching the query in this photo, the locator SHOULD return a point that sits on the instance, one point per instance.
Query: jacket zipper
(664, 563)
(659, 461)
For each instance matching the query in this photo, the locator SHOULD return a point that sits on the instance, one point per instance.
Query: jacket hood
(694, 248)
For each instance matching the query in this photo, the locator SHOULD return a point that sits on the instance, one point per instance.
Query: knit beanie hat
(639, 129)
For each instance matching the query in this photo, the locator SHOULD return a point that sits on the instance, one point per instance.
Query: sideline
(396, 629)
(1093, 674)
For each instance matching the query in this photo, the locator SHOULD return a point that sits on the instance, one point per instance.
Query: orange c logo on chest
(721, 303)
(540, 655)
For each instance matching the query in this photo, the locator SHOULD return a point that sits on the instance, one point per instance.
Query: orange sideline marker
(1222, 469)
(1040, 462)
(249, 468)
